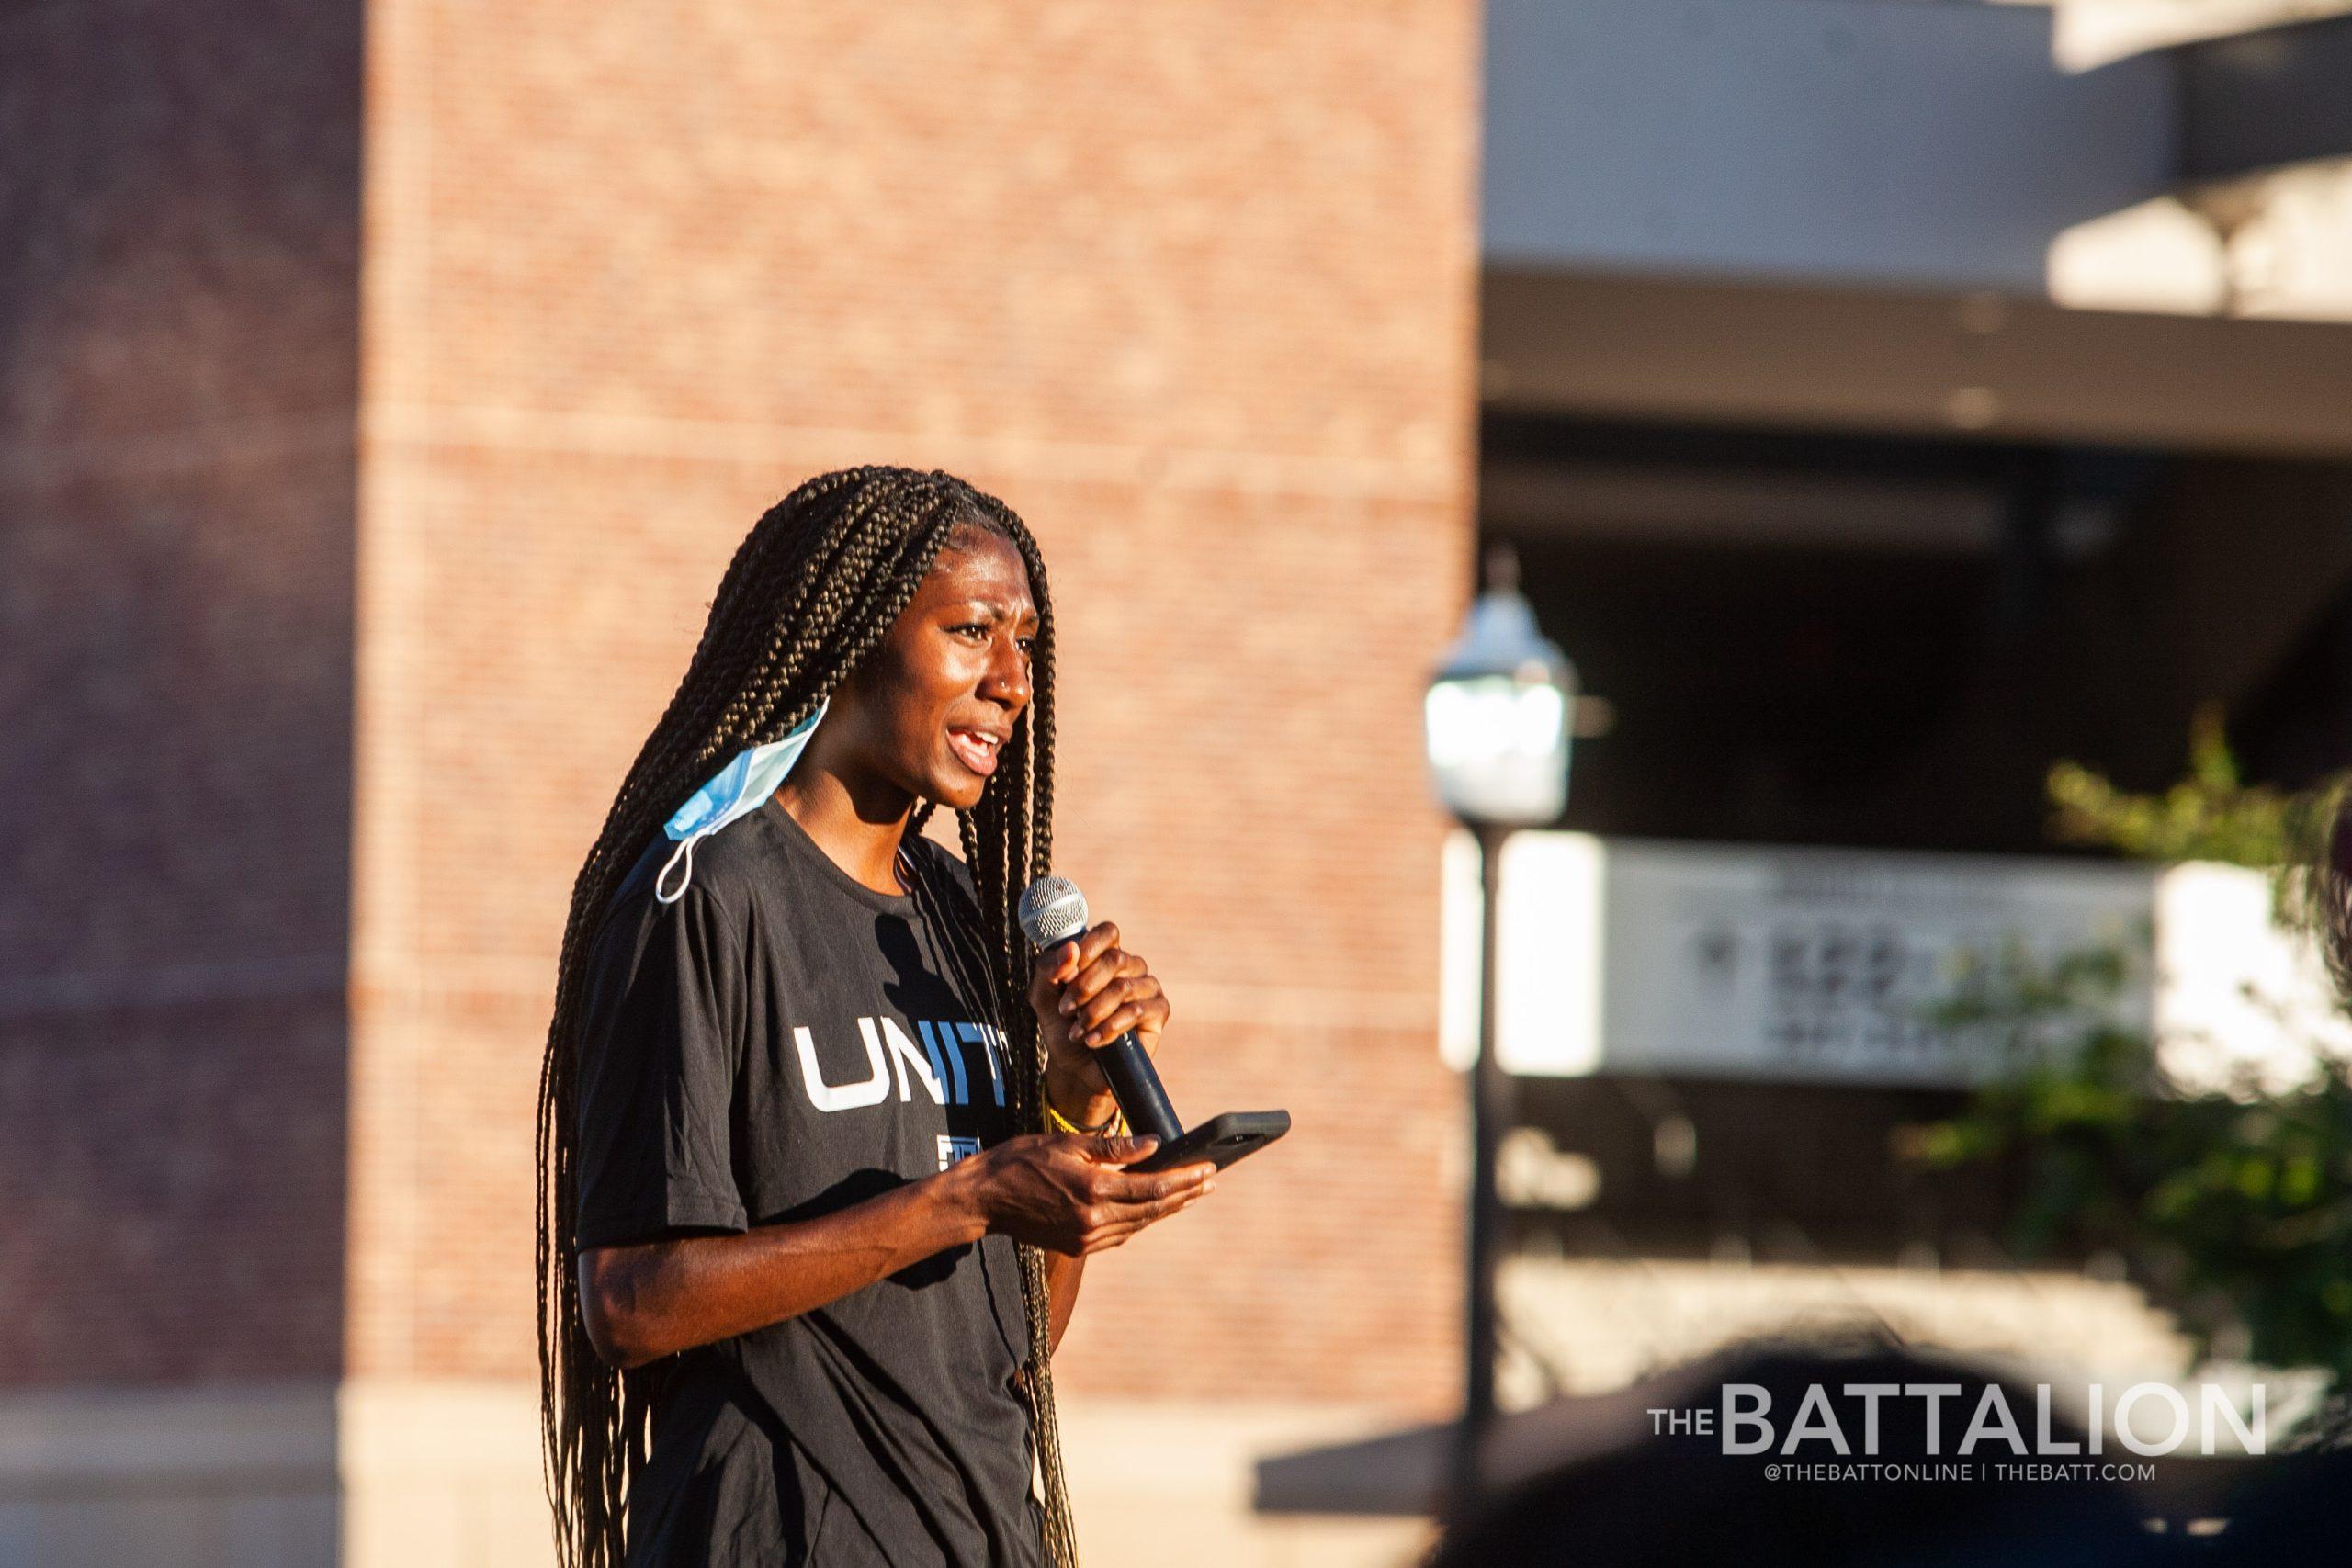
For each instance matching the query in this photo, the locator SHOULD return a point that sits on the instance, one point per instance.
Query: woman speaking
(821, 1150)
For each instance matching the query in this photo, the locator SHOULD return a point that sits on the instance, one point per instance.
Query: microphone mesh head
(1052, 909)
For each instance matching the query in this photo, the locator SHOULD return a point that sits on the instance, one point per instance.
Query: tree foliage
(2231, 1204)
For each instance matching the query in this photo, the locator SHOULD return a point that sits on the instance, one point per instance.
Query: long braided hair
(810, 592)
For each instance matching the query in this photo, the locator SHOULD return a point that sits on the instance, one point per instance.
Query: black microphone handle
(1137, 1083)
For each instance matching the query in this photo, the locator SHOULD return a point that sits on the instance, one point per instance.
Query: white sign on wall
(1751, 962)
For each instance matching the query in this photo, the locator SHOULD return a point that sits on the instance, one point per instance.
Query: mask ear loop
(686, 848)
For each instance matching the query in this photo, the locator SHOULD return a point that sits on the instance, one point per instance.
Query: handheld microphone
(1053, 911)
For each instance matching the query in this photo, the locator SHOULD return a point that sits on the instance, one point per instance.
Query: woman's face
(932, 706)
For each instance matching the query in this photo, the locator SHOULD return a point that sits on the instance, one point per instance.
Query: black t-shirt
(780, 1043)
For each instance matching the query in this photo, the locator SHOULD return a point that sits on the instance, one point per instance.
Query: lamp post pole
(1491, 1112)
(1499, 714)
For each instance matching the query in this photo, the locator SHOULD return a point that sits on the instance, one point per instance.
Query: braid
(1010, 832)
(811, 591)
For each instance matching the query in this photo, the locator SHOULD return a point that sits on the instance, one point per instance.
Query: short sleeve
(661, 1043)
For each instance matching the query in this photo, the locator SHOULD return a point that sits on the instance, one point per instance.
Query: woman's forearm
(1066, 1195)
(653, 1300)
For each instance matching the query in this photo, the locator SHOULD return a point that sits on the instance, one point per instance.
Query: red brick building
(385, 389)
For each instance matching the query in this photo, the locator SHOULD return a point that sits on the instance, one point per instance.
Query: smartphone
(1220, 1139)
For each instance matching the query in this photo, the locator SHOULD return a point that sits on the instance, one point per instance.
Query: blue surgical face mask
(741, 786)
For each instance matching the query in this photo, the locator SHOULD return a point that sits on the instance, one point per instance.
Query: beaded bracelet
(1115, 1125)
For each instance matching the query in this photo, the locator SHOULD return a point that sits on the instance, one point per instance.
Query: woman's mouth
(976, 748)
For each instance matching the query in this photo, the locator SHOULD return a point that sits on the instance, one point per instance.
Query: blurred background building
(1884, 397)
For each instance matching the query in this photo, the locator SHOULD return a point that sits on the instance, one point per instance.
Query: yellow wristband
(1114, 1128)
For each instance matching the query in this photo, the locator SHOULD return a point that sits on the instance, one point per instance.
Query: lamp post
(1498, 715)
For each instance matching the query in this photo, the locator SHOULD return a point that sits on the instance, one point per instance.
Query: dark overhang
(2262, 100)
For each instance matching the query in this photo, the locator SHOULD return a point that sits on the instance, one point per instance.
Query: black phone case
(1220, 1139)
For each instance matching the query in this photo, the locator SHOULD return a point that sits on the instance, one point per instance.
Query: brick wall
(1190, 286)
(179, 191)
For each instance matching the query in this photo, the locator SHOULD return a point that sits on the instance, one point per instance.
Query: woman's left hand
(1086, 993)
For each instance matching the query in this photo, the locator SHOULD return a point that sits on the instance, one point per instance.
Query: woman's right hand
(1069, 1194)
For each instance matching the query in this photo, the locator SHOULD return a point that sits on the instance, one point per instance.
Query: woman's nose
(1007, 676)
